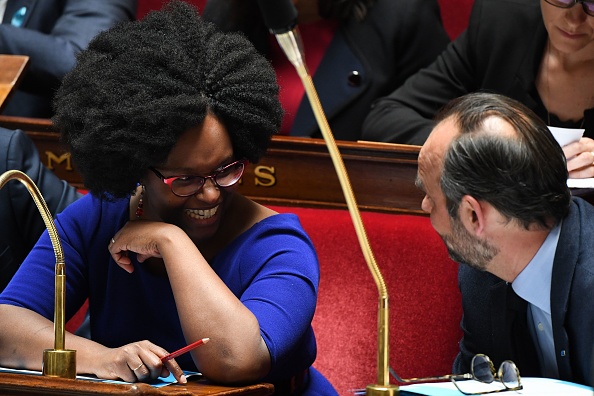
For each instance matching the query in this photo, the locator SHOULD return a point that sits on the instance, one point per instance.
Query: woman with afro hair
(162, 116)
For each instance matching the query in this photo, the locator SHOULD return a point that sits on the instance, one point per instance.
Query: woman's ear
(472, 215)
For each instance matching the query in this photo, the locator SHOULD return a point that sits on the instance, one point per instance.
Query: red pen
(184, 349)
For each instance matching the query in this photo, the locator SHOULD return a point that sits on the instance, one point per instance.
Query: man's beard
(465, 248)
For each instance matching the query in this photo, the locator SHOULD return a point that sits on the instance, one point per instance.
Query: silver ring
(112, 241)
(141, 364)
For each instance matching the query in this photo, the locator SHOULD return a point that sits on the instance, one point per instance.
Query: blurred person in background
(22, 223)
(539, 52)
(51, 33)
(355, 50)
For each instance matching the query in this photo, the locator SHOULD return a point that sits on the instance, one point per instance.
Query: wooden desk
(24, 384)
(12, 68)
(294, 172)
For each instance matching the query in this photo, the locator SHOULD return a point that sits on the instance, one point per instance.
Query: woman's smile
(202, 214)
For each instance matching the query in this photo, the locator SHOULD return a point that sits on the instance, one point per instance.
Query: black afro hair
(141, 84)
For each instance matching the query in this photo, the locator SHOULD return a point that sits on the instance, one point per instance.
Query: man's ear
(472, 215)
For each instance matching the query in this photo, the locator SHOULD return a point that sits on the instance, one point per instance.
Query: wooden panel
(294, 172)
(299, 172)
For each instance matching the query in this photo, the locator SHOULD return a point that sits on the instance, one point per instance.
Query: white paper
(532, 386)
(581, 183)
(564, 136)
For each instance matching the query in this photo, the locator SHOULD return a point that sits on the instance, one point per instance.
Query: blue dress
(272, 269)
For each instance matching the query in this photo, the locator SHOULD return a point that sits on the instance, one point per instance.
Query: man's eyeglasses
(482, 370)
(588, 6)
(184, 186)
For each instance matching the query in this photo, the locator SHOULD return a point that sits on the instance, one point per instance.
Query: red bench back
(144, 6)
(455, 14)
(425, 303)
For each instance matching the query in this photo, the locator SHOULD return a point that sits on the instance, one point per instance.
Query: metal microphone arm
(57, 362)
(291, 44)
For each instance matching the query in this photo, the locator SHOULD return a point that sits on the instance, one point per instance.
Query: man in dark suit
(52, 33)
(495, 183)
(21, 222)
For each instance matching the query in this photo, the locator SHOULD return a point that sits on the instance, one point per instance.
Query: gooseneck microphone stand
(281, 18)
(57, 362)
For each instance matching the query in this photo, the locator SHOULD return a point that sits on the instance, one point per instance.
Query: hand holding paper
(564, 137)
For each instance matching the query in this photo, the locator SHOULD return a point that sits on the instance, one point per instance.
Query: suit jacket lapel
(525, 76)
(331, 82)
(511, 335)
(566, 258)
(522, 343)
(500, 323)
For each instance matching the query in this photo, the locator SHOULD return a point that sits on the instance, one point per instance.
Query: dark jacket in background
(499, 52)
(52, 33)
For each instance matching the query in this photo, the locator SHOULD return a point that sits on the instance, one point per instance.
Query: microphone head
(280, 16)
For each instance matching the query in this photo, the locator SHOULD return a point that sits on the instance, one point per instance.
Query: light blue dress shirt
(533, 284)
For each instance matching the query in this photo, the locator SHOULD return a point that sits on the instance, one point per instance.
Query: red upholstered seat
(425, 305)
(74, 323)
(455, 14)
(144, 6)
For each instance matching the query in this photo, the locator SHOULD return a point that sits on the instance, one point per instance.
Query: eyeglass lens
(508, 374)
(588, 6)
(484, 371)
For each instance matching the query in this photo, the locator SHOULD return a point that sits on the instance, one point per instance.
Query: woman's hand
(580, 158)
(144, 239)
(139, 361)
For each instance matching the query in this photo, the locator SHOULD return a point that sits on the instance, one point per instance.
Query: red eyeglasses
(184, 186)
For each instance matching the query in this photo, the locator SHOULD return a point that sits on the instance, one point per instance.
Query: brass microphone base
(59, 363)
(382, 390)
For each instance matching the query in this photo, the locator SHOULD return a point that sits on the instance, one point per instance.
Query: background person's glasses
(588, 6)
(482, 370)
(184, 186)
